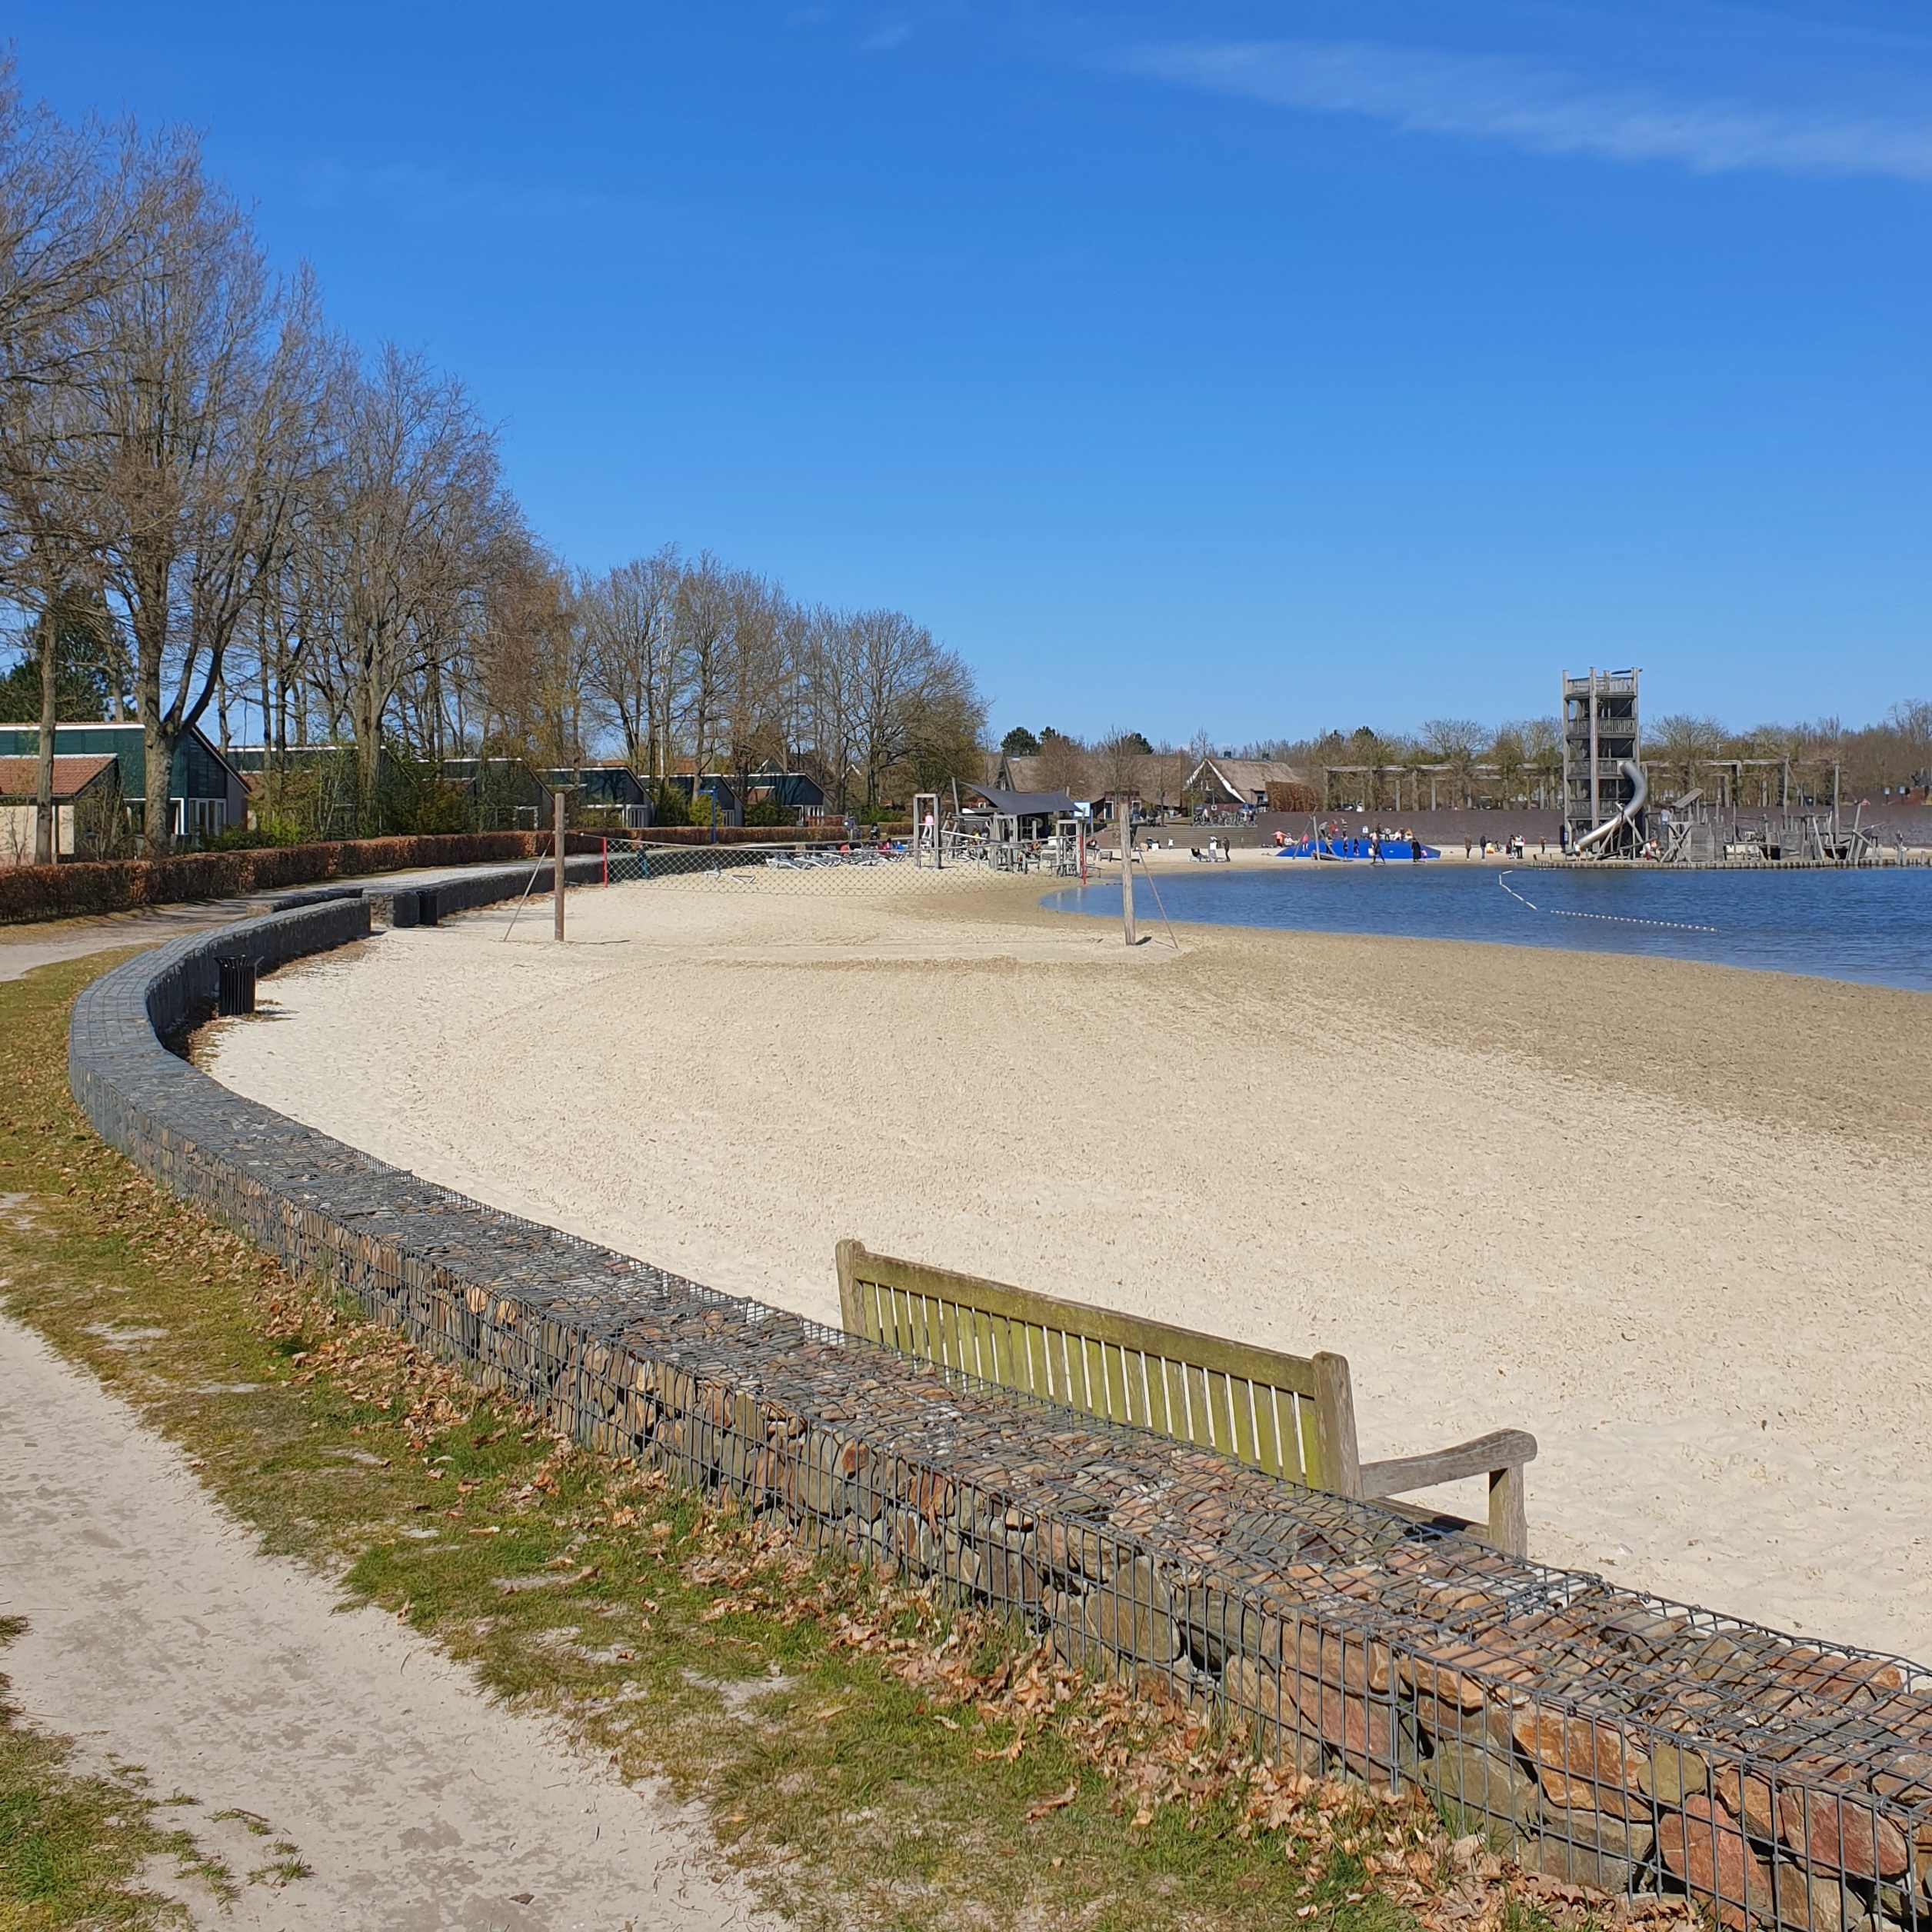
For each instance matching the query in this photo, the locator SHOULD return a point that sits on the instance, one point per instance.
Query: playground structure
(1692, 829)
(1016, 832)
(1604, 789)
(1608, 812)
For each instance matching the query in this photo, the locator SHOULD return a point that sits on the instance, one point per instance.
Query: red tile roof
(20, 777)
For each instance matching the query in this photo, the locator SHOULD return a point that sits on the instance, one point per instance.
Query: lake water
(1874, 925)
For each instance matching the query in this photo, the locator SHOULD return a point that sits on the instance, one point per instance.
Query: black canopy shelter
(1023, 804)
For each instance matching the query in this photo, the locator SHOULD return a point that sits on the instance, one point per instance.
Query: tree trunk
(368, 761)
(46, 827)
(158, 753)
(158, 813)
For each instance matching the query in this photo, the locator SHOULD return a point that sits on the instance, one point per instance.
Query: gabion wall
(1612, 1738)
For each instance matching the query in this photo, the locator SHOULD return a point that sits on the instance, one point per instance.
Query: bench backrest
(1291, 1415)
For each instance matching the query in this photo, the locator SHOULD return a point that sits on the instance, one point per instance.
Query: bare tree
(756, 676)
(628, 620)
(66, 214)
(705, 614)
(1166, 773)
(1119, 757)
(1064, 765)
(402, 540)
(198, 391)
(1456, 741)
(1681, 744)
(894, 659)
(831, 705)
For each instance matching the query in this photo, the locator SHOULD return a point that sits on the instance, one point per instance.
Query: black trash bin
(234, 987)
(402, 909)
(426, 907)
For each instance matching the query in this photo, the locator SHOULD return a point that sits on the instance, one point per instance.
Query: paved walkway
(159, 1634)
(22, 947)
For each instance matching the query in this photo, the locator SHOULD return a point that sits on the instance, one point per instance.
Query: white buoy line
(1612, 919)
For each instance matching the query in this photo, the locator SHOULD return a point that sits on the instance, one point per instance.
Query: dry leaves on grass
(372, 1367)
(1154, 1751)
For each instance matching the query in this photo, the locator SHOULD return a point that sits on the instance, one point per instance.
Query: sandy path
(1673, 1218)
(158, 1635)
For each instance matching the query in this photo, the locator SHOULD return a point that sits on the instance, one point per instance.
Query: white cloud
(1499, 97)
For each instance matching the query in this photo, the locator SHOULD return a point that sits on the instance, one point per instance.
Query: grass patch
(73, 1847)
(868, 1754)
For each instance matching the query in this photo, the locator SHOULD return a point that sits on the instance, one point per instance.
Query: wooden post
(1509, 1516)
(852, 1311)
(1126, 865)
(1341, 1467)
(557, 860)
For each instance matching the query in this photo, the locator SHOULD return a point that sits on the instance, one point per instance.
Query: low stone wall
(1611, 1738)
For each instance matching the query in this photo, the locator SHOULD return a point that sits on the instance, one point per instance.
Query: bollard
(234, 986)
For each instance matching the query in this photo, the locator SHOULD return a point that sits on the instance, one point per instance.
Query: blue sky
(1257, 367)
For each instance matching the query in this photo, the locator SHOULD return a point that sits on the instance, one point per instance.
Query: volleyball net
(814, 867)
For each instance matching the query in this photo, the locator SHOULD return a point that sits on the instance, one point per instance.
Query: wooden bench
(1291, 1415)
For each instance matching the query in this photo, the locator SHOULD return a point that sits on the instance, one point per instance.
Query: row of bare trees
(1118, 763)
(232, 496)
(696, 666)
(1871, 762)
(248, 520)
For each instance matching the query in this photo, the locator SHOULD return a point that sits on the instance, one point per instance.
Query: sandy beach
(1673, 1219)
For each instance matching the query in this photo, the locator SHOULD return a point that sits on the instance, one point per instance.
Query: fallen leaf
(1007, 1754)
(1036, 1812)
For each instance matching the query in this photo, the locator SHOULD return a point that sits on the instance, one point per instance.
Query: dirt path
(158, 1635)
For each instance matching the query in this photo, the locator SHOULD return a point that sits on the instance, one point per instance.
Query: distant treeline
(1521, 763)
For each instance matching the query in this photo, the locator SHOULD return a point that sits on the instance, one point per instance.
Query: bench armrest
(1500, 1456)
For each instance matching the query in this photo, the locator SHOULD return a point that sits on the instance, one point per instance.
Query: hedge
(118, 885)
(29, 892)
